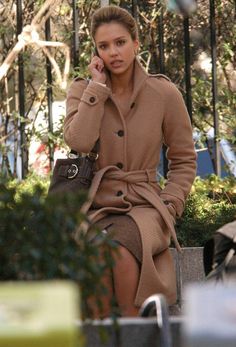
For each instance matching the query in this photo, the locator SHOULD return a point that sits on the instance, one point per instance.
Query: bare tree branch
(30, 36)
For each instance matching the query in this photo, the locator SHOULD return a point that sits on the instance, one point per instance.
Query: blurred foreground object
(210, 312)
(185, 7)
(39, 314)
(220, 254)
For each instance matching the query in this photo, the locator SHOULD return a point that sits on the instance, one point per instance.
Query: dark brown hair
(107, 14)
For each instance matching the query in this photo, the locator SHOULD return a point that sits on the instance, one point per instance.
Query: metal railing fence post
(75, 36)
(188, 87)
(49, 94)
(214, 89)
(161, 42)
(21, 95)
(135, 10)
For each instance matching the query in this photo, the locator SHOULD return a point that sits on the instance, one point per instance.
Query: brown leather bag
(74, 173)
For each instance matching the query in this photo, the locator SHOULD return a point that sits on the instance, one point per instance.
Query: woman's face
(115, 47)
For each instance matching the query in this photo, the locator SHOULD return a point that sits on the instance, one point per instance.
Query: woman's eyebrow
(117, 38)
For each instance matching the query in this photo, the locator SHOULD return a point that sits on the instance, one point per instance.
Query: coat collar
(140, 76)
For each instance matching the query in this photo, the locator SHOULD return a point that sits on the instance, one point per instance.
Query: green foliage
(211, 204)
(29, 186)
(37, 238)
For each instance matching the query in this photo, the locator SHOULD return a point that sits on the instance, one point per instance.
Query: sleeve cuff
(101, 84)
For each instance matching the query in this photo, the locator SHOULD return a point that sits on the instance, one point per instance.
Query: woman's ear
(136, 46)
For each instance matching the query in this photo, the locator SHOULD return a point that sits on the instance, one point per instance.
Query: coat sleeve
(84, 113)
(181, 154)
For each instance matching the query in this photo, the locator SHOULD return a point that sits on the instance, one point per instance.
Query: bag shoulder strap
(93, 154)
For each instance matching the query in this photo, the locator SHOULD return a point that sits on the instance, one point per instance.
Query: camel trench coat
(129, 154)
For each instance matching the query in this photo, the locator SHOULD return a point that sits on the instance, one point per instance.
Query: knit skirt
(124, 231)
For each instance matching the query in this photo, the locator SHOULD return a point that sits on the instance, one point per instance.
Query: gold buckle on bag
(72, 155)
(92, 155)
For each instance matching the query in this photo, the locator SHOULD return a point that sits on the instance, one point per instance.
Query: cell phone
(95, 52)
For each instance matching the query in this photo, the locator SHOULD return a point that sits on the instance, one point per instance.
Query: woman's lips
(116, 63)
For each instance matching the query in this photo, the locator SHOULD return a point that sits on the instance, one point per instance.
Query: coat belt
(138, 179)
(132, 177)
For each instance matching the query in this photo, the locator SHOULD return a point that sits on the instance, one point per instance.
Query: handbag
(74, 173)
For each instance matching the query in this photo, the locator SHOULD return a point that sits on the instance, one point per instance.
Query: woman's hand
(96, 68)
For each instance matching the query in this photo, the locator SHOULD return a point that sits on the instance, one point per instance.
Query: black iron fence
(75, 55)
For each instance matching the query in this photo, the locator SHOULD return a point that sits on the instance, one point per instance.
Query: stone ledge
(128, 332)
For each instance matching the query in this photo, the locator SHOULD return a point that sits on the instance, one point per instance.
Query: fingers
(96, 68)
(96, 63)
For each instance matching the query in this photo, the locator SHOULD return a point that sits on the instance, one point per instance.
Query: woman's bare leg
(103, 308)
(126, 274)
(100, 304)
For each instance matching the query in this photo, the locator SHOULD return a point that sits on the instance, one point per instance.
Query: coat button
(120, 165)
(92, 99)
(120, 133)
(119, 193)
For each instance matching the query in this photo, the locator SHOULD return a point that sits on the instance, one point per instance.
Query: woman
(132, 113)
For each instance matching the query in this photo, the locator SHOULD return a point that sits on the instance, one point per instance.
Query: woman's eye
(102, 47)
(120, 42)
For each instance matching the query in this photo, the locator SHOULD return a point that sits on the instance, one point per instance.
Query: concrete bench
(189, 269)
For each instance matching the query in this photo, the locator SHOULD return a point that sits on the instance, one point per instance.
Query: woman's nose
(113, 50)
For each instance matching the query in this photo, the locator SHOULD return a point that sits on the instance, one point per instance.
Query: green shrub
(211, 204)
(37, 232)
(37, 238)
